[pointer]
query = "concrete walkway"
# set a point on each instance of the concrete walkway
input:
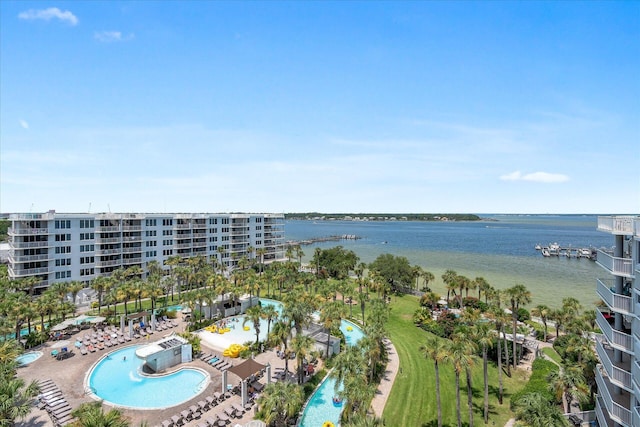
(384, 389)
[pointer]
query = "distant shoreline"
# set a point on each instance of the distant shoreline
(315, 216)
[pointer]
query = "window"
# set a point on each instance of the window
(225, 238)
(258, 227)
(166, 222)
(213, 230)
(87, 260)
(225, 229)
(151, 233)
(87, 248)
(151, 243)
(63, 261)
(225, 220)
(87, 236)
(258, 219)
(213, 239)
(63, 274)
(86, 223)
(150, 222)
(213, 221)
(167, 252)
(86, 271)
(63, 237)
(60, 224)
(63, 249)
(167, 232)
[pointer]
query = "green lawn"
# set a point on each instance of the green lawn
(553, 355)
(413, 400)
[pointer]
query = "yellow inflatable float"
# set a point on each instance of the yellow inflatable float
(246, 328)
(233, 351)
(349, 328)
(327, 424)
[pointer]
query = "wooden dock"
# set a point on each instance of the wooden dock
(322, 239)
(556, 250)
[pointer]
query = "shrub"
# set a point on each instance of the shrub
(538, 382)
(523, 315)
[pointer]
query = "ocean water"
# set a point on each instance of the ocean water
(500, 248)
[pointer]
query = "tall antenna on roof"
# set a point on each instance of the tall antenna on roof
(109, 207)
(89, 207)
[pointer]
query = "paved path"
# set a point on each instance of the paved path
(384, 389)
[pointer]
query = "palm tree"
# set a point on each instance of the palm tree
(269, 313)
(467, 347)
(484, 337)
(416, 272)
(92, 415)
(253, 315)
(99, 284)
(567, 383)
(301, 345)
(542, 311)
(427, 276)
(261, 253)
(16, 398)
(331, 314)
(280, 402)
(449, 279)
(436, 349)
(518, 296)
(483, 286)
(459, 357)
(280, 336)
(534, 410)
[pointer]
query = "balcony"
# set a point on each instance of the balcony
(131, 250)
(619, 373)
(617, 339)
(129, 261)
(602, 415)
(132, 239)
(616, 404)
(616, 302)
(636, 416)
(104, 252)
(131, 228)
(635, 374)
(28, 245)
(28, 258)
(183, 245)
(108, 229)
(199, 244)
(199, 235)
(621, 225)
(181, 226)
(108, 263)
(618, 266)
(107, 240)
(26, 231)
(24, 272)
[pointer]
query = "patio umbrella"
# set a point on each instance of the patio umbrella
(60, 344)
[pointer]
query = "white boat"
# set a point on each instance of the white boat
(545, 252)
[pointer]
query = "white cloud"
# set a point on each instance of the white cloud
(112, 36)
(544, 177)
(48, 14)
(24, 124)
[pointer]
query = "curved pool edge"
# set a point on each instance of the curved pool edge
(304, 407)
(88, 390)
(25, 364)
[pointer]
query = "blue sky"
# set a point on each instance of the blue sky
(504, 107)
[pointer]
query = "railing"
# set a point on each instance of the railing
(602, 417)
(635, 374)
(137, 260)
(132, 250)
(617, 224)
(616, 265)
(132, 239)
(182, 226)
(29, 271)
(617, 339)
(131, 228)
(615, 301)
(108, 263)
(102, 241)
(26, 231)
(617, 376)
(103, 252)
(29, 258)
(26, 245)
(636, 416)
(199, 235)
(616, 411)
(108, 229)
(199, 244)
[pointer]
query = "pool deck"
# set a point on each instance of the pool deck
(69, 375)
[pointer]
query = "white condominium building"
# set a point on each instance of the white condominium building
(618, 374)
(55, 247)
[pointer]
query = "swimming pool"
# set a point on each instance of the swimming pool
(237, 333)
(174, 308)
(116, 379)
(26, 358)
(320, 407)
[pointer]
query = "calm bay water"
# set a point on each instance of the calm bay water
(500, 249)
